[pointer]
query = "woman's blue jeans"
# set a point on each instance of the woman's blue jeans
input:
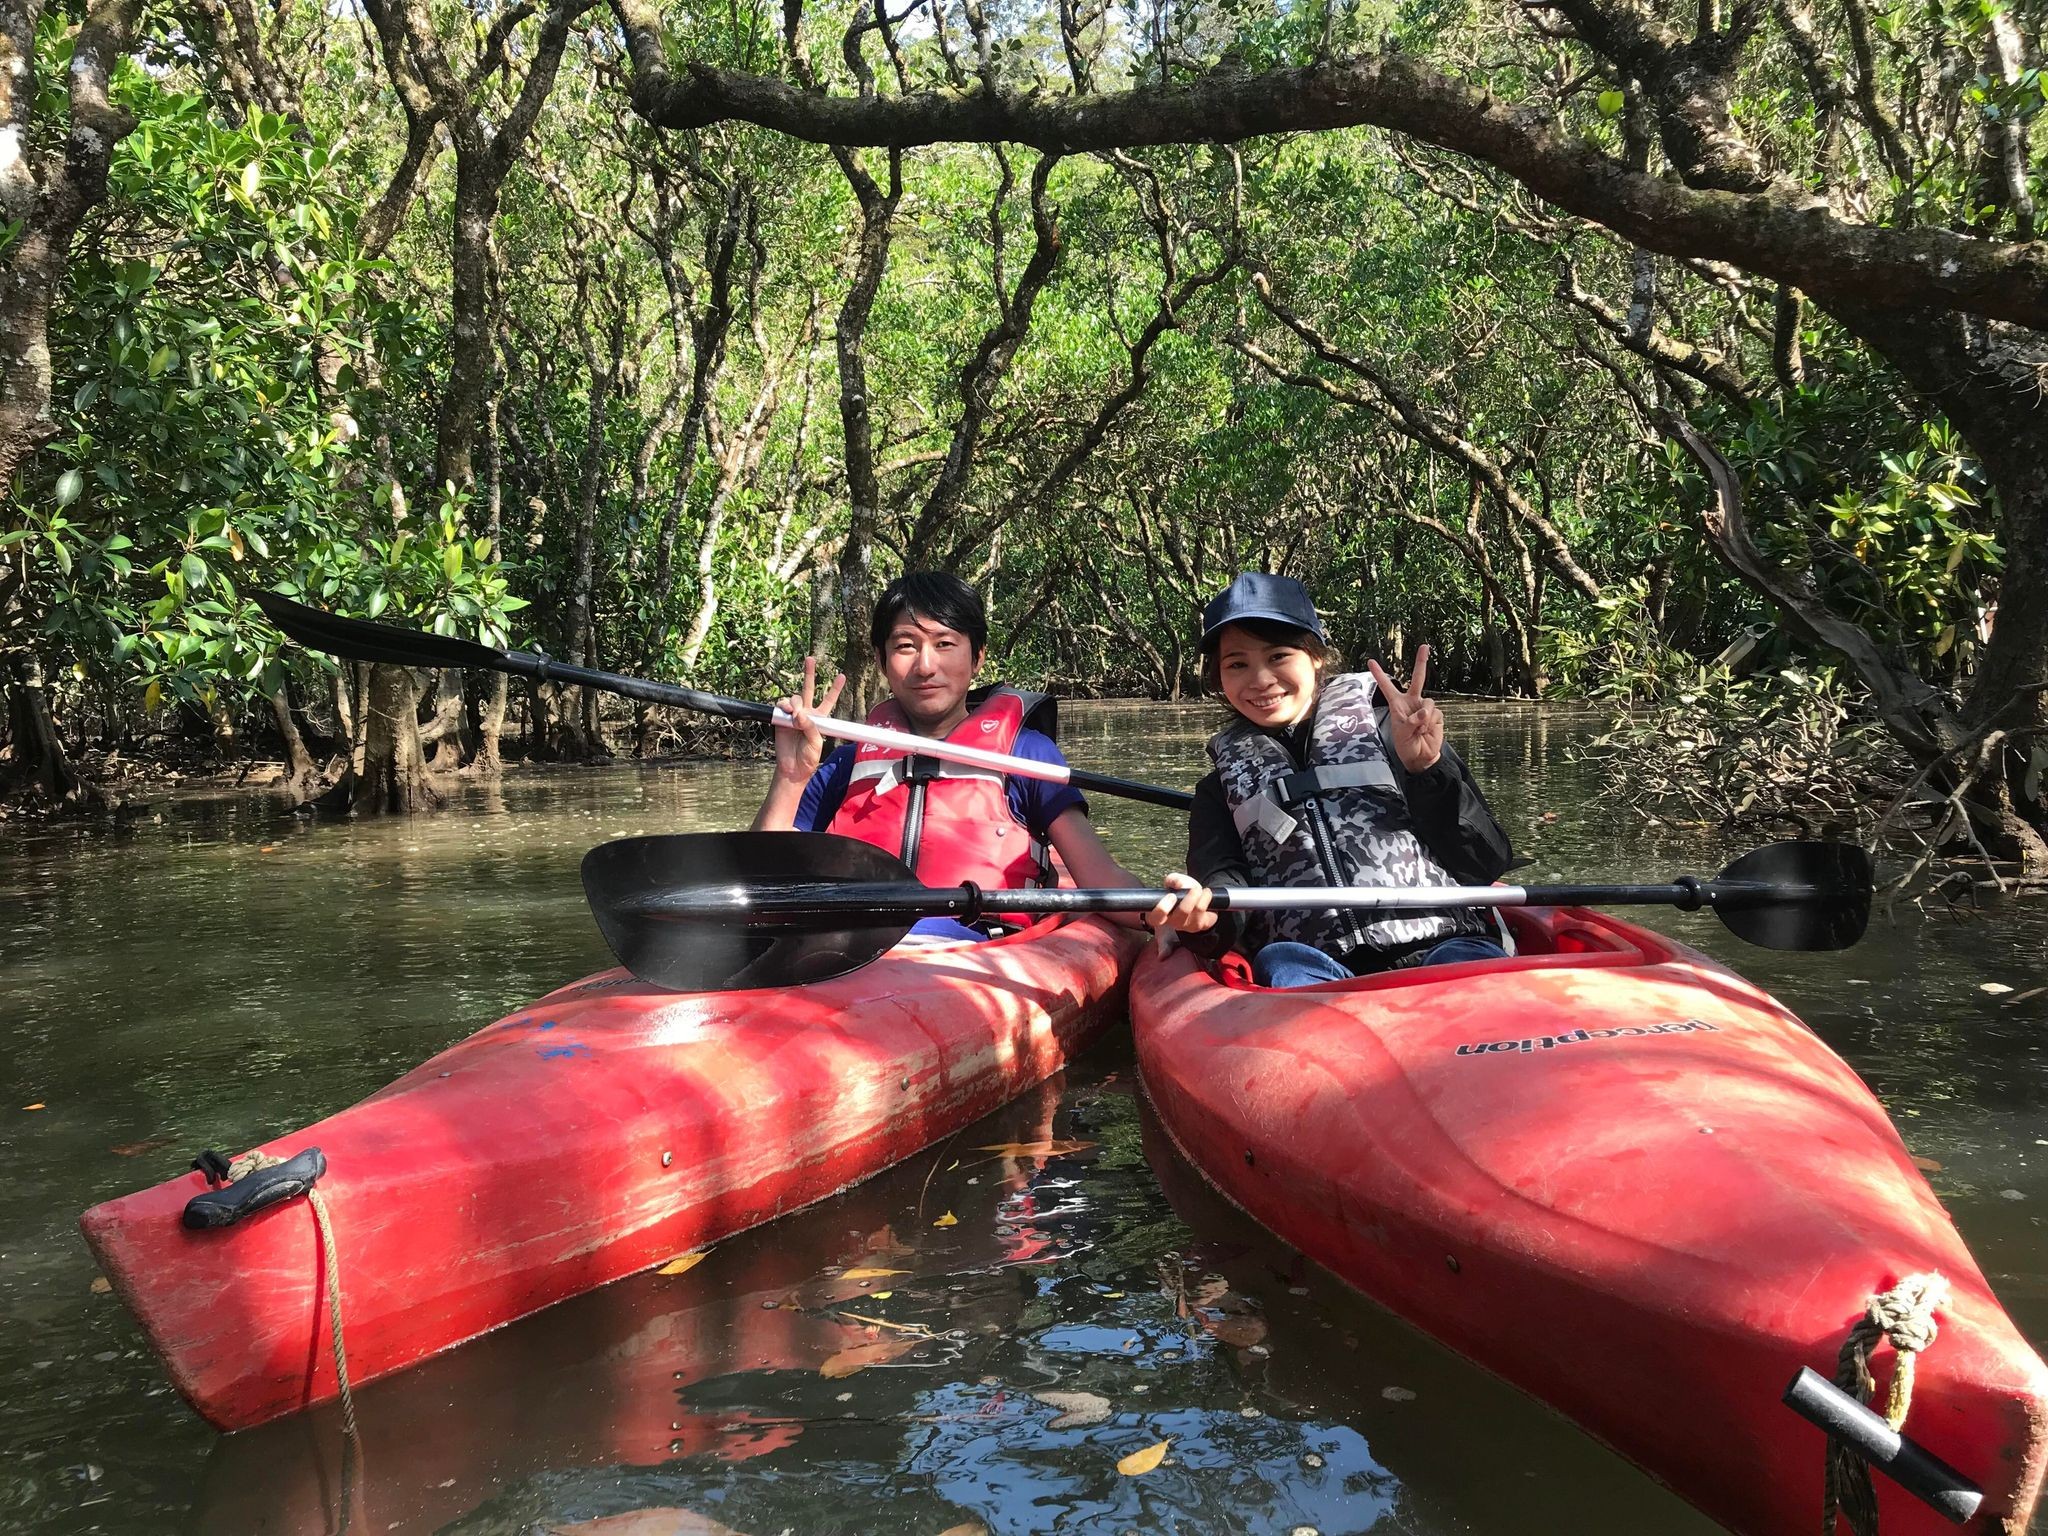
(1287, 964)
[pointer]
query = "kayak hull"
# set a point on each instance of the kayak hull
(1618, 1176)
(605, 1128)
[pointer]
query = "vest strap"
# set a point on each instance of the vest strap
(1260, 811)
(1292, 790)
(894, 771)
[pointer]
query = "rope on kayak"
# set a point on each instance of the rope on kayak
(248, 1163)
(1904, 1315)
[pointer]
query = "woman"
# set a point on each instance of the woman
(1326, 778)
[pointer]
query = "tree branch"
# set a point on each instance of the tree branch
(1780, 231)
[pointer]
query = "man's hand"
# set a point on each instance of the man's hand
(800, 746)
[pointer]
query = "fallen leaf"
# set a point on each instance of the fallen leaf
(1397, 1394)
(683, 1262)
(880, 1295)
(858, 1357)
(268, 848)
(947, 1220)
(646, 1522)
(1926, 1165)
(137, 1148)
(869, 1274)
(1239, 1332)
(35, 1106)
(1078, 1410)
(1038, 1148)
(884, 1244)
(1995, 988)
(1138, 1463)
(101, 1285)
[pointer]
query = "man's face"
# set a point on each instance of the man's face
(929, 670)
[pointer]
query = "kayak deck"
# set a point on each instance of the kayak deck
(606, 1127)
(1617, 1175)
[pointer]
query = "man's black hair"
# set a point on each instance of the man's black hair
(939, 596)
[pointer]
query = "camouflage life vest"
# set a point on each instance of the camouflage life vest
(1340, 821)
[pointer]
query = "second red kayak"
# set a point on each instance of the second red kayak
(599, 1131)
(1617, 1175)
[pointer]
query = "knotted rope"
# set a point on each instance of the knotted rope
(248, 1163)
(1905, 1316)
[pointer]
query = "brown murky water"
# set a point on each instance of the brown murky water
(231, 974)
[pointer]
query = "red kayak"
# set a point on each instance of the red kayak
(1615, 1174)
(610, 1380)
(604, 1129)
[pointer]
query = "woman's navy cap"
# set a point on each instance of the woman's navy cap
(1254, 595)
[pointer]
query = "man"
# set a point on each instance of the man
(949, 823)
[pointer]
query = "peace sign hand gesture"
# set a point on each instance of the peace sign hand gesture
(800, 745)
(1415, 723)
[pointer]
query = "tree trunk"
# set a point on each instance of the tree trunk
(450, 722)
(489, 762)
(300, 771)
(395, 776)
(44, 193)
(41, 770)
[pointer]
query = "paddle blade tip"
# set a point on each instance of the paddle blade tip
(640, 891)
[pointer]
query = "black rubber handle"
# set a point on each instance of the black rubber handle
(1919, 1471)
(255, 1192)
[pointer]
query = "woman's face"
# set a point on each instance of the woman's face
(1272, 685)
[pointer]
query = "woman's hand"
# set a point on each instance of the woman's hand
(1415, 723)
(800, 745)
(1186, 913)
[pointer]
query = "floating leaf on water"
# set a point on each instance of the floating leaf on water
(666, 1521)
(100, 1285)
(1239, 1332)
(1138, 1463)
(1397, 1394)
(1038, 1148)
(1995, 988)
(947, 1220)
(1078, 1410)
(858, 1357)
(1926, 1165)
(880, 1295)
(35, 1106)
(2012, 1194)
(870, 1274)
(682, 1262)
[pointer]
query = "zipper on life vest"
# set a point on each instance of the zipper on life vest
(1326, 853)
(1326, 856)
(917, 773)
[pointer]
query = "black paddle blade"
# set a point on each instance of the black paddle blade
(362, 640)
(1803, 895)
(676, 909)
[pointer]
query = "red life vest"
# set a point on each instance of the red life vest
(958, 818)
